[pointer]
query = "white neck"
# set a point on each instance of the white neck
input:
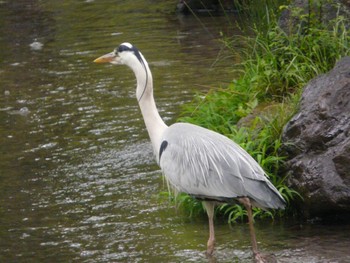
(144, 93)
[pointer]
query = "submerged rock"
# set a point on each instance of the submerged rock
(36, 45)
(318, 144)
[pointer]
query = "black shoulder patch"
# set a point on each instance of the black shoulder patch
(162, 148)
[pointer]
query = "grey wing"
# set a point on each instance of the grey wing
(206, 164)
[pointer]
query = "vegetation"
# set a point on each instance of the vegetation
(275, 66)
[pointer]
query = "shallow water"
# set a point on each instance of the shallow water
(78, 178)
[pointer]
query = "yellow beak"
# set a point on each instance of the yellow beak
(106, 58)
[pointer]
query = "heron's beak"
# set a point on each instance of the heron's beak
(110, 57)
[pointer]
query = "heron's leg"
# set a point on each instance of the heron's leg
(209, 206)
(246, 202)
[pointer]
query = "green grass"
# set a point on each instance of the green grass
(275, 66)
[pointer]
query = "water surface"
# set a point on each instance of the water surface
(78, 182)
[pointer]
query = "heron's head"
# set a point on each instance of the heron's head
(125, 54)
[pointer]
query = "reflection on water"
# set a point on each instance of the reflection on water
(78, 180)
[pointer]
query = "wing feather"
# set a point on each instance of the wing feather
(204, 163)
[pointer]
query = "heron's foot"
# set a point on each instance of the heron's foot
(209, 252)
(210, 247)
(264, 258)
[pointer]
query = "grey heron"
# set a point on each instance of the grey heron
(198, 161)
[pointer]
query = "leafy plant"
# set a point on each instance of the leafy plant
(189, 205)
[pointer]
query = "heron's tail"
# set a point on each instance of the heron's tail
(265, 194)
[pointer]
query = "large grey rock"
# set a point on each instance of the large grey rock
(318, 144)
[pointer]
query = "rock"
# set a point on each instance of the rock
(36, 45)
(263, 111)
(317, 143)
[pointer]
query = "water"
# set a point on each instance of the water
(78, 182)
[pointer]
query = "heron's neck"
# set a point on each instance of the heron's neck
(144, 93)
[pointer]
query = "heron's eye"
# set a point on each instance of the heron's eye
(120, 49)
